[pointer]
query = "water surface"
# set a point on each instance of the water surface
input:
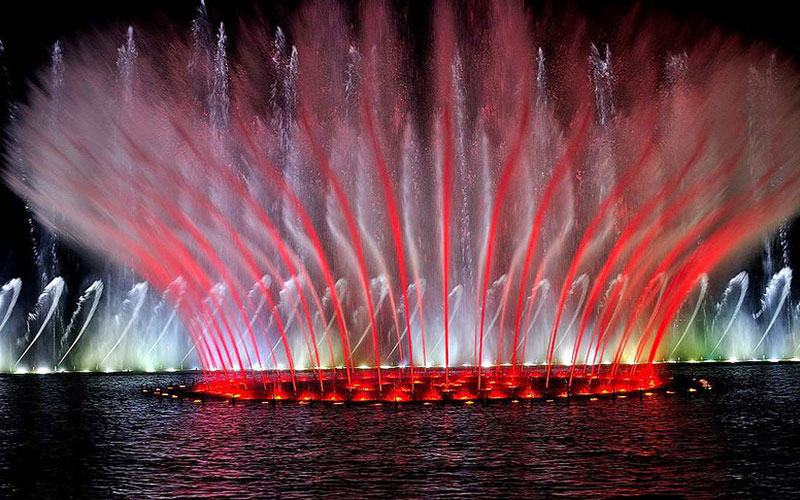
(97, 436)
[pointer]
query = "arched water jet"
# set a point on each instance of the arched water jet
(544, 284)
(180, 291)
(290, 288)
(784, 275)
(456, 298)
(700, 296)
(372, 245)
(499, 285)
(136, 298)
(644, 298)
(619, 286)
(255, 291)
(52, 291)
(8, 299)
(583, 282)
(341, 291)
(382, 294)
(410, 236)
(632, 171)
(743, 281)
(414, 313)
(94, 290)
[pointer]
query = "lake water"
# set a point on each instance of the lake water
(97, 436)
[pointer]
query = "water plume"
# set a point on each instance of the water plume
(325, 206)
(94, 292)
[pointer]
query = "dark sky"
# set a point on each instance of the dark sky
(29, 28)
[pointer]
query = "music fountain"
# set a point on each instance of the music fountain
(342, 211)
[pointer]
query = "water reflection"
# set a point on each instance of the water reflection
(85, 435)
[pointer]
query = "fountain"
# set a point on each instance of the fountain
(535, 215)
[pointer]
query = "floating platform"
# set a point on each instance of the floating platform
(398, 385)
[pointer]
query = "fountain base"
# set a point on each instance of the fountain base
(398, 385)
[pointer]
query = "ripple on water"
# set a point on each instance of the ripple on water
(89, 435)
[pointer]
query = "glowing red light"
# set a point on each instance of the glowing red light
(427, 386)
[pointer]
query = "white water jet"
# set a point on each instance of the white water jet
(411, 318)
(498, 285)
(286, 295)
(622, 282)
(742, 280)
(126, 64)
(258, 290)
(383, 292)
(456, 298)
(341, 290)
(136, 296)
(8, 299)
(700, 296)
(583, 282)
(785, 276)
(95, 290)
(215, 299)
(53, 290)
(544, 284)
(179, 285)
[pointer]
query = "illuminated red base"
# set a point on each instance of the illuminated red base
(432, 384)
